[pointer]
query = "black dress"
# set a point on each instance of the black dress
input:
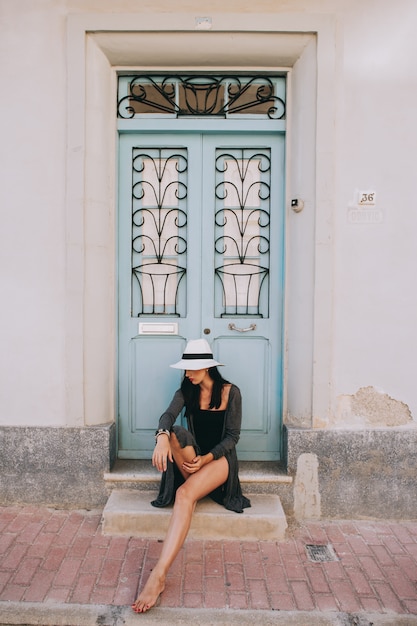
(208, 428)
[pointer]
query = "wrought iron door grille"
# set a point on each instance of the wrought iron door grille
(242, 232)
(201, 95)
(159, 226)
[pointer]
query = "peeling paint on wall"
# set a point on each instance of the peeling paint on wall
(307, 502)
(369, 407)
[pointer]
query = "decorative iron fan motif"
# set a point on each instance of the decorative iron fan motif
(203, 95)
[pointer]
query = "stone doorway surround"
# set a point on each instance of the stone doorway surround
(99, 46)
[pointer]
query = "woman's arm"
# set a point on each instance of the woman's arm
(162, 451)
(168, 418)
(232, 426)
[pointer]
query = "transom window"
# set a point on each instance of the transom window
(259, 96)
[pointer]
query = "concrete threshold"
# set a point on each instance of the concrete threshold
(129, 512)
(51, 614)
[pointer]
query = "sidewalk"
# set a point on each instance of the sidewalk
(56, 565)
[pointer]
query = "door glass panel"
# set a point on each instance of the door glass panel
(159, 225)
(242, 224)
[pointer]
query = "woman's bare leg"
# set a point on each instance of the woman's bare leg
(181, 455)
(197, 486)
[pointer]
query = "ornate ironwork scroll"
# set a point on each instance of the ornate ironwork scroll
(203, 95)
(242, 234)
(159, 223)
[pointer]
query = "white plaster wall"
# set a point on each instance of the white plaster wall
(375, 311)
(369, 337)
(32, 193)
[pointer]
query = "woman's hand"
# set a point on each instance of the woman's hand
(197, 463)
(161, 453)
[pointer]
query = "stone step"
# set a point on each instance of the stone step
(255, 476)
(129, 512)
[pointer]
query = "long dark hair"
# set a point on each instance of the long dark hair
(192, 392)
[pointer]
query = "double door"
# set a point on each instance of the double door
(201, 220)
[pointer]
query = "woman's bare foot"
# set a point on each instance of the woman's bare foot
(149, 595)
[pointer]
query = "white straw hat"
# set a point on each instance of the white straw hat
(197, 356)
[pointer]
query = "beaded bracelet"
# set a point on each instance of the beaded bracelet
(162, 431)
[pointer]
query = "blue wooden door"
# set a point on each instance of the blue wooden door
(201, 222)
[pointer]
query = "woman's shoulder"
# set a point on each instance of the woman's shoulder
(230, 394)
(233, 390)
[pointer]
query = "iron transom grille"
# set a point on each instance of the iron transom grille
(201, 95)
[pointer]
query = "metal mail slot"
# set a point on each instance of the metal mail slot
(164, 328)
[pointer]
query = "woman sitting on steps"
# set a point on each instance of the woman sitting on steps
(198, 461)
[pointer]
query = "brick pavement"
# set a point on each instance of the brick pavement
(54, 556)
